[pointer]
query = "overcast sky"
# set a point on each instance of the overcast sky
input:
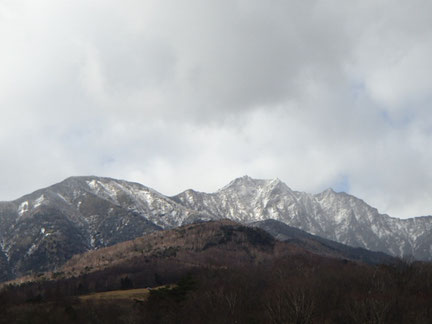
(191, 94)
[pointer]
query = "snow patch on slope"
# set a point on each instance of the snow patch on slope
(23, 208)
(38, 201)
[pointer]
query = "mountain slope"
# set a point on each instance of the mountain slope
(44, 229)
(213, 244)
(320, 245)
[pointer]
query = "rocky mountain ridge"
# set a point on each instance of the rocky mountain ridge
(42, 230)
(336, 216)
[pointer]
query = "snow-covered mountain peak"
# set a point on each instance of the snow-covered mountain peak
(247, 183)
(244, 181)
(276, 183)
(329, 191)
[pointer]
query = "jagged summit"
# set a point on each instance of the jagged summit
(247, 183)
(329, 191)
(244, 181)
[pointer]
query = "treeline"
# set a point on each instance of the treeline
(296, 289)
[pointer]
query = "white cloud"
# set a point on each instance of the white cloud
(192, 94)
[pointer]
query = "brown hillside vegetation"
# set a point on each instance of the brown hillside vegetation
(239, 243)
(209, 244)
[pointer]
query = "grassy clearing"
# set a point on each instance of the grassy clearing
(130, 294)
(140, 294)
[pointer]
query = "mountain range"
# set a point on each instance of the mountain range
(43, 230)
(335, 216)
